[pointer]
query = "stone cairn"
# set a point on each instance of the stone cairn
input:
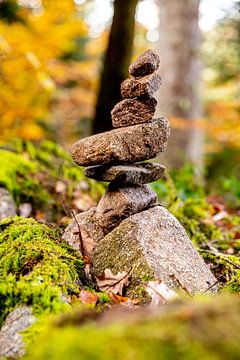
(128, 228)
(137, 137)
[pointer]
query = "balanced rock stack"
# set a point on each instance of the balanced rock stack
(137, 137)
(128, 230)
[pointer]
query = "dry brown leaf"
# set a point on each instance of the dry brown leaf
(88, 297)
(113, 283)
(117, 299)
(159, 292)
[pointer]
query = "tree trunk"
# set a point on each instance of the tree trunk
(179, 96)
(116, 62)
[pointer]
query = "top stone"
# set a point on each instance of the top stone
(145, 64)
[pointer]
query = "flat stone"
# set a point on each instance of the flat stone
(7, 205)
(11, 341)
(145, 64)
(123, 145)
(140, 86)
(153, 244)
(133, 111)
(118, 203)
(142, 173)
(90, 231)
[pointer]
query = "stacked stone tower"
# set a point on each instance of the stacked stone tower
(137, 137)
(128, 229)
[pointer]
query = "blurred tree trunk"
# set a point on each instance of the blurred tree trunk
(116, 62)
(179, 96)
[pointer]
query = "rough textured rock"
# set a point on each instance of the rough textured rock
(133, 111)
(153, 244)
(7, 204)
(91, 231)
(11, 343)
(142, 173)
(118, 203)
(145, 64)
(141, 86)
(123, 145)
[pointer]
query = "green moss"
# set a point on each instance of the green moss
(31, 173)
(103, 298)
(207, 328)
(17, 175)
(36, 267)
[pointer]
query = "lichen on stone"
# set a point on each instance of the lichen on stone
(37, 268)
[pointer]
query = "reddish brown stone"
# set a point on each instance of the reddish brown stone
(133, 111)
(140, 86)
(118, 203)
(123, 145)
(145, 64)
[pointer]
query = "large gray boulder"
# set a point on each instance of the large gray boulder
(153, 245)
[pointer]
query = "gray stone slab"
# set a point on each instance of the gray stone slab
(7, 205)
(153, 244)
(145, 64)
(142, 173)
(123, 145)
(133, 111)
(141, 86)
(11, 341)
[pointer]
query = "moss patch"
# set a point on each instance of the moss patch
(205, 329)
(31, 173)
(36, 267)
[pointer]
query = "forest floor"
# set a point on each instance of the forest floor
(39, 270)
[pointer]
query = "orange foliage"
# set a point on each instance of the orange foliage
(33, 78)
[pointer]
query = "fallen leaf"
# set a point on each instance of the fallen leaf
(159, 292)
(220, 215)
(88, 243)
(60, 187)
(117, 299)
(87, 297)
(113, 283)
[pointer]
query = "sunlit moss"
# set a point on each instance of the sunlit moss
(36, 267)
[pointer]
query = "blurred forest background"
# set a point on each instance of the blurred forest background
(61, 64)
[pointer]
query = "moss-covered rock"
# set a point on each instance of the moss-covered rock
(205, 329)
(37, 268)
(153, 243)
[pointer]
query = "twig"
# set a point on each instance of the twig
(182, 286)
(79, 233)
(211, 286)
(64, 207)
(221, 256)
